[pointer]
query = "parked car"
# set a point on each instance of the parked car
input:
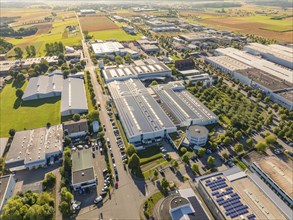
(209, 151)
(98, 199)
(116, 185)
(75, 206)
(277, 151)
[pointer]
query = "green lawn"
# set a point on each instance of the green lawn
(151, 202)
(26, 115)
(119, 35)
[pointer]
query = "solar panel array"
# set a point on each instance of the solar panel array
(226, 198)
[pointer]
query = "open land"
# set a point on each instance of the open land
(97, 23)
(22, 115)
(118, 34)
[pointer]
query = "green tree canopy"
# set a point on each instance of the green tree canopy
(76, 117)
(130, 150)
(93, 116)
(211, 161)
(195, 168)
(201, 152)
(134, 162)
(261, 146)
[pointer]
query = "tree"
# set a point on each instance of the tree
(211, 161)
(185, 159)
(130, 150)
(19, 93)
(67, 141)
(183, 150)
(76, 117)
(44, 66)
(238, 148)
(33, 50)
(164, 184)
(270, 139)
(127, 58)
(18, 52)
(119, 60)
(156, 173)
(238, 135)
(154, 83)
(11, 132)
(28, 51)
(134, 162)
(93, 116)
(201, 152)
(175, 164)
(65, 209)
(20, 77)
(261, 146)
(195, 168)
(227, 140)
(225, 155)
(249, 142)
(49, 181)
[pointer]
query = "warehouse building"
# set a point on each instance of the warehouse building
(87, 11)
(158, 23)
(150, 48)
(182, 106)
(141, 69)
(7, 186)
(83, 173)
(166, 29)
(73, 98)
(75, 129)
(35, 148)
(43, 86)
(197, 136)
(275, 81)
(143, 120)
(234, 194)
(272, 53)
(107, 48)
(276, 173)
(190, 37)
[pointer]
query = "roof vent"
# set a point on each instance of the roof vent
(82, 173)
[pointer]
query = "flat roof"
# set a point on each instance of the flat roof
(275, 51)
(182, 104)
(197, 130)
(258, 63)
(277, 170)
(228, 63)
(137, 109)
(196, 36)
(73, 95)
(191, 71)
(106, 47)
(29, 146)
(3, 143)
(236, 195)
(82, 166)
(75, 126)
(4, 180)
(287, 94)
(44, 84)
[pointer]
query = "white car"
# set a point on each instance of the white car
(98, 199)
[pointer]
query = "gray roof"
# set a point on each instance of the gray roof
(44, 84)
(197, 130)
(75, 126)
(138, 110)
(33, 145)
(82, 166)
(3, 143)
(73, 95)
(4, 181)
(182, 104)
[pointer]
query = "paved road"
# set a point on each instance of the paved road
(126, 200)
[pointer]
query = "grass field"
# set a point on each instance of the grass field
(26, 115)
(49, 33)
(96, 23)
(119, 35)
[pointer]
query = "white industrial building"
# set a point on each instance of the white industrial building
(274, 53)
(87, 11)
(182, 106)
(143, 120)
(141, 69)
(150, 48)
(73, 98)
(34, 148)
(43, 86)
(7, 186)
(274, 80)
(197, 135)
(112, 48)
(166, 29)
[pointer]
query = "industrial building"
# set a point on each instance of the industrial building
(197, 136)
(274, 80)
(73, 98)
(190, 37)
(7, 186)
(75, 129)
(166, 29)
(143, 120)
(276, 173)
(150, 48)
(43, 86)
(235, 194)
(141, 69)
(7, 65)
(35, 148)
(158, 23)
(183, 108)
(83, 173)
(112, 48)
(128, 29)
(87, 11)
(277, 54)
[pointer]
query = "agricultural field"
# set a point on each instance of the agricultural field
(118, 34)
(48, 32)
(96, 23)
(22, 115)
(247, 20)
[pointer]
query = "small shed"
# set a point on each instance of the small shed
(96, 126)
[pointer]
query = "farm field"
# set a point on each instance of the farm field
(96, 23)
(49, 33)
(119, 35)
(30, 114)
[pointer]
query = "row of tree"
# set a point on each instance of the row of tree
(21, 32)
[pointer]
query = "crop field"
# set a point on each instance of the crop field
(118, 34)
(247, 19)
(26, 115)
(97, 23)
(49, 33)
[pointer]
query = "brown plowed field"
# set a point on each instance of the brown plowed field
(96, 23)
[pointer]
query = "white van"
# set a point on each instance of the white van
(98, 199)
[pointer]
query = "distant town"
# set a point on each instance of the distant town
(113, 110)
